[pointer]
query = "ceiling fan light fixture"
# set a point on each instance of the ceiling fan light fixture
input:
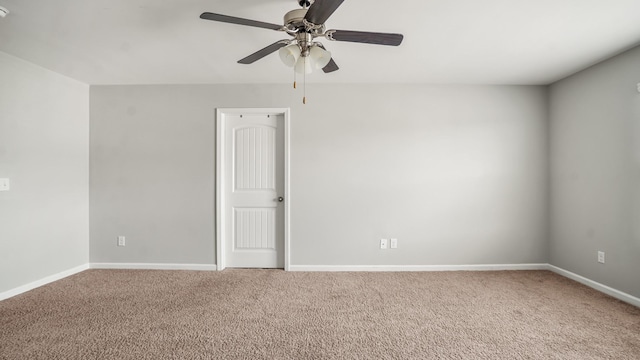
(289, 54)
(316, 58)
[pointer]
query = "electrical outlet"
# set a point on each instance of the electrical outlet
(394, 243)
(601, 257)
(4, 184)
(383, 243)
(121, 241)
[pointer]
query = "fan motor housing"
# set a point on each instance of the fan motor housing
(294, 17)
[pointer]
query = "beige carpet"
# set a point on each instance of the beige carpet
(270, 314)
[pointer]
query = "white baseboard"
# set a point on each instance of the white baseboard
(345, 268)
(482, 267)
(151, 266)
(61, 275)
(596, 285)
(44, 281)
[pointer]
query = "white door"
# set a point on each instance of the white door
(254, 191)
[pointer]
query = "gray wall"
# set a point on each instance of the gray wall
(595, 172)
(458, 174)
(44, 150)
(152, 175)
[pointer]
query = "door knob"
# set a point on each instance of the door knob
(280, 199)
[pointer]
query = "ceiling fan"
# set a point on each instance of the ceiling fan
(304, 26)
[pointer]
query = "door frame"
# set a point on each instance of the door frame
(221, 185)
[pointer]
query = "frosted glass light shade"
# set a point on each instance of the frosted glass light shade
(304, 65)
(319, 57)
(289, 54)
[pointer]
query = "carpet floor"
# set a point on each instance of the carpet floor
(272, 314)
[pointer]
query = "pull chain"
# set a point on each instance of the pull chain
(304, 83)
(294, 77)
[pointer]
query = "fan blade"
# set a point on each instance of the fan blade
(320, 10)
(263, 52)
(365, 37)
(331, 66)
(239, 21)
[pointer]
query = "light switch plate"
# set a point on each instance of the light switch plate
(4, 184)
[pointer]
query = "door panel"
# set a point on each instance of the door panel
(254, 158)
(255, 229)
(255, 168)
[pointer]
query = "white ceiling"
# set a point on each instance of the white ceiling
(446, 41)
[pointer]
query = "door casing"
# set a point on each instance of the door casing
(222, 115)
